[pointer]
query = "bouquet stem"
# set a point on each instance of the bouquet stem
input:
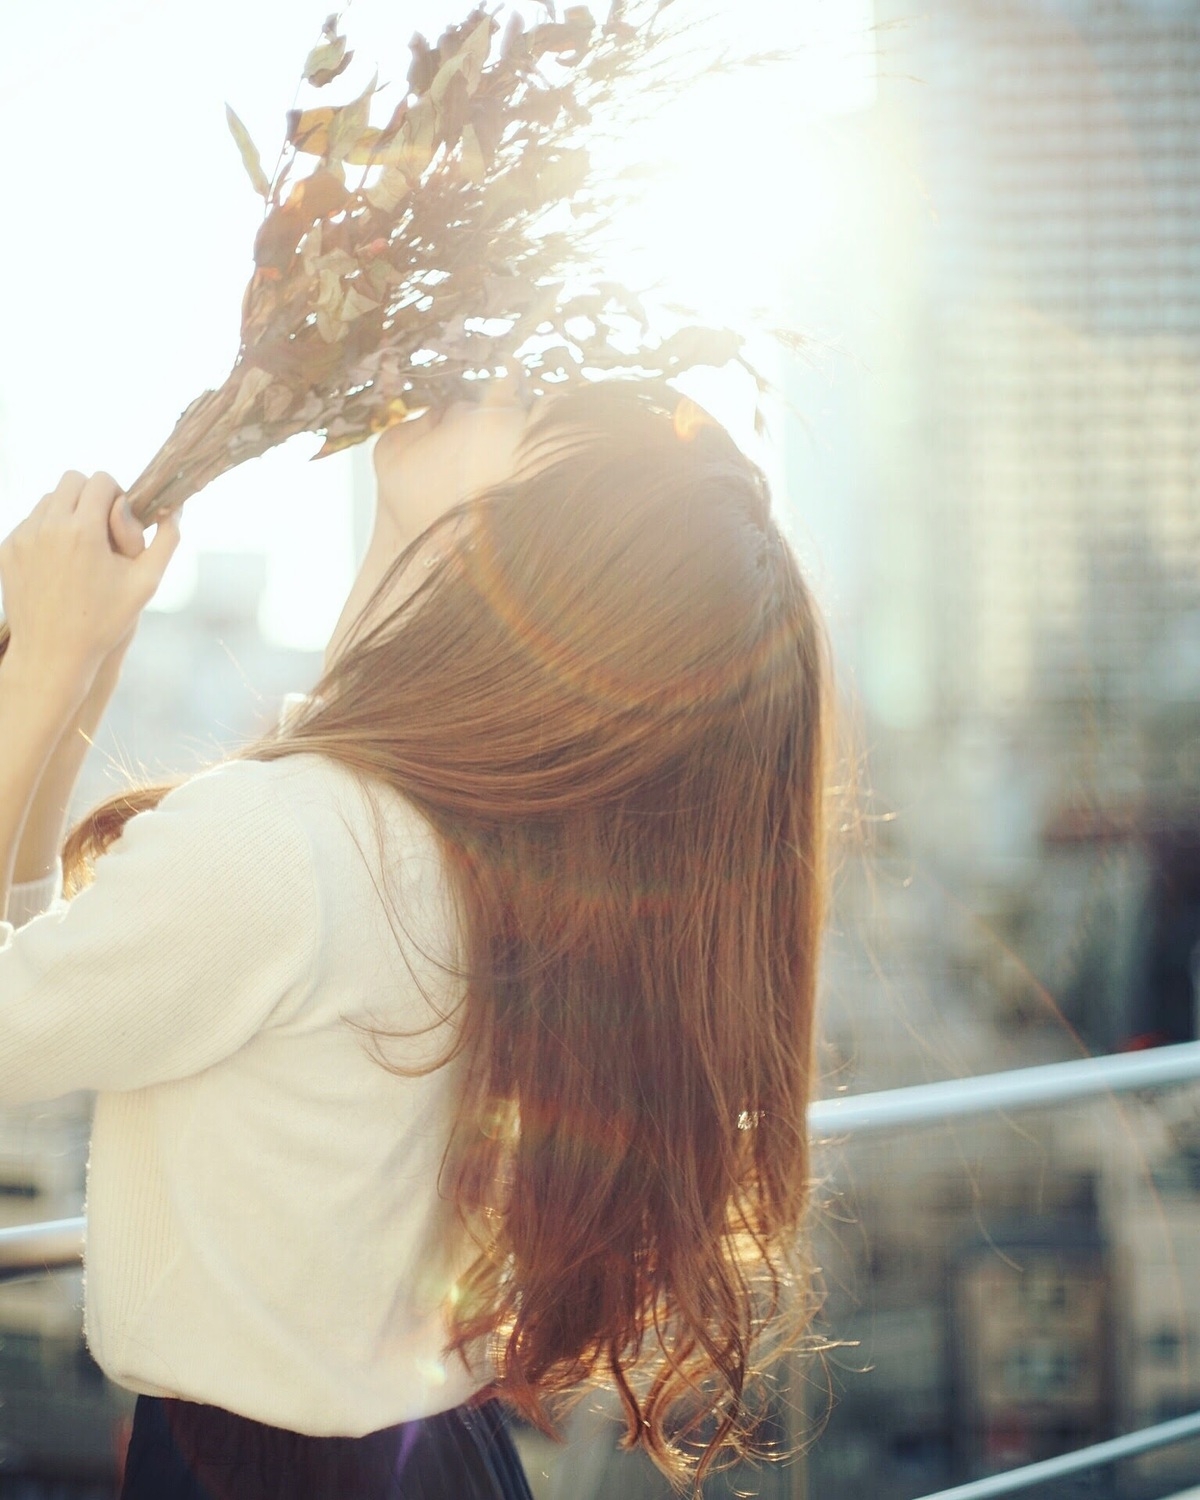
(196, 452)
(210, 437)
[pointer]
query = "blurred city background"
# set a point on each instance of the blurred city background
(989, 457)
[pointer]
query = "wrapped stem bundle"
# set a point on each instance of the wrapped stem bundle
(395, 262)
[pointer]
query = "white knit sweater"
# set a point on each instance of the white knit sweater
(264, 1228)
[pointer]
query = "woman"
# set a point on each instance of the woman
(452, 1041)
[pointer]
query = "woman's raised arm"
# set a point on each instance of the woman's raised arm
(71, 599)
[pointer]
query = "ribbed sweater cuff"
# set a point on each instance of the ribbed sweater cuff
(32, 897)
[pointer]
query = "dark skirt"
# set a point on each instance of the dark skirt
(181, 1451)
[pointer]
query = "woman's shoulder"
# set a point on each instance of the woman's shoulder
(269, 788)
(337, 809)
(287, 778)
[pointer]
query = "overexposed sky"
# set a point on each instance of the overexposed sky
(125, 242)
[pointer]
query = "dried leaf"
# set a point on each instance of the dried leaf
(572, 34)
(278, 235)
(320, 196)
(330, 326)
(326, 60)
(451, 39)
(338, 133)
(424, 65)
(340, 262)
(488, 121)
(381, 277)
(467, 63)
(350, 124)
(451, 110)
(327, 75)
(333, 237)
(249, 151)
(385, 194)
(387, 416)
(542, 106)
(364, 151)
(356, 304)
(248, 436)
(251, 386)
(329, 447)
(514, 48)
(420, 137)
(336, 444)
(310, 408)
(311, 252)
(308, 129)
(474, 163)
(329, 291)
(411, 149)
(259, 304)
(278, 400)
(455, 339)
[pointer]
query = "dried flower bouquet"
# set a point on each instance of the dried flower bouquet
(397, 261)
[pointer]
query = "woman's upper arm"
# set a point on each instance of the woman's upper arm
(201, 921)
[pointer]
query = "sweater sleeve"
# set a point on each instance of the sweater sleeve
(32, 897)
(200, 924)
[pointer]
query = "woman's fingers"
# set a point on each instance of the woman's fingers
(153, 562)
(93, 510)
(64, 497)
(96, 495)
(98, 501)
(124, 529)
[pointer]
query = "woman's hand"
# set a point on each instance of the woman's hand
(75, 576)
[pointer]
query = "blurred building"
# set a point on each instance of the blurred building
(1153, 1212)
(1032, 1335)
(1005, 492)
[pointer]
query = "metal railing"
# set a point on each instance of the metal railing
(1082, 1461)
(1023, 1088)
(33, 1249)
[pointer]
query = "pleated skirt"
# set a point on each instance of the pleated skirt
(182, 1451)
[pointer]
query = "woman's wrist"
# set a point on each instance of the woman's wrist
(36, 707)
(49, 692)
(61, 750)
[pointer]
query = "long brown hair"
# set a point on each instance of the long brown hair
(607, 696)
